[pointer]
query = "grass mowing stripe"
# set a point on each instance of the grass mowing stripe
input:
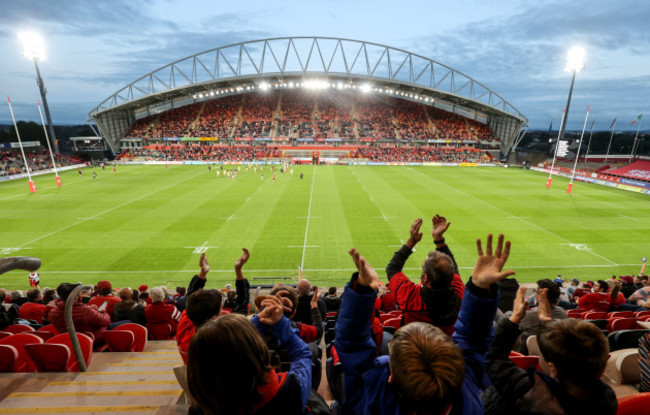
(304, 242)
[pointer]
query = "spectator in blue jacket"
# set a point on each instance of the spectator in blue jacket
(425, 371)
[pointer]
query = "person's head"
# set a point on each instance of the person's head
(181, 291)
(65, 289)
(291, 294)
(637, 279)
(144, 296)
(601, 286)
(104, 288)
(231, 295)
(227, 385)
(332, 291)
(575, 282)
(126, 295)
(437, 270)
(202, 306)
(574, 351)
(143, 288)
(34, 295)
(644, 280)
(157, 295)
(627, 279)
(426, 366)
(303, 288)
(135, 295)
(553, 293)
(228, 287)
(15, 295)
(49, 295)
(3, 294)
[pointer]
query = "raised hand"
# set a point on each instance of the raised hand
(204, 265)
(314, 298)
(440, 226)
(240, 263)
(519, 307)
(543, 306)
(416, 235)
(272, 310)
(367, 274)
(488, 268)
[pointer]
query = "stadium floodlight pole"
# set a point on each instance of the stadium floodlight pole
(575, 163)
(640, 119)
(591, 131)
(47, 139)
(610, 138)
(34, 48)
(32, 187)
(575, 63)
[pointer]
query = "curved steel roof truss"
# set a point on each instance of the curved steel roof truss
(292, 56)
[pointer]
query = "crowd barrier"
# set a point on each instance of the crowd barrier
(39, 172)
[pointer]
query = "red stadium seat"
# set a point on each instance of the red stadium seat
(384, 317)
(525, 362)
(594, 315)
(85, 343)
(641, 314)
(140, 335)
(331, 314)
(45, 335)
(49, 357)
(4, 334)
(119, 340)
(50, 328)
(634, 404)
(576, 313)
(393, 322)
(620, 314)
(8, 358)
(18, 340)
(159, 331)
(19, 328)
(621, 324)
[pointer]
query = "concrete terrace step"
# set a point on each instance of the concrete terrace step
(119, 383)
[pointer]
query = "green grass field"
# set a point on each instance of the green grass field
(144, 224)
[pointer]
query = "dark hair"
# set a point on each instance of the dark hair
(427, 367)
(144, 295)
(48, 296)
(65, 289)
(181, 290)
(33, 294)
(227, 361)
(577, 348)
(202, 305)
(440, 268)
(603, 285)
(292, 296)
(331, 291)
(553, 293)
(135, 295)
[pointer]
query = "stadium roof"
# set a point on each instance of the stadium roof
(242, 67)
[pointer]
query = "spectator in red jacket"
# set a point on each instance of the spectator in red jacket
(84, 317)
(598, 300)
(437, 298)
(160, 313)
(33, 309)
(105, 295)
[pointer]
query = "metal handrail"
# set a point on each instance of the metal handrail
(70, 326)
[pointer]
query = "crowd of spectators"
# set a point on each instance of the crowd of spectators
(451, 337)
(423, 154)
(241, 152)
(11, 162)
(296, 114)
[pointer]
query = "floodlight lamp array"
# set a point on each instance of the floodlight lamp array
(33, 46)
(313, 85)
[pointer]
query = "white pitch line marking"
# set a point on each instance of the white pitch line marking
(107, 211)
(7, 251)
(51, 194)
(510, 214)
(229, 218)
(627, 217)
(249, 198)
(518, 217)
(304, 242)
(303, 246)
(89, 218)
(384, 217)
(201, 249)
(316, 270)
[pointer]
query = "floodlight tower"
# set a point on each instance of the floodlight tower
(575, 63)
(34, 48)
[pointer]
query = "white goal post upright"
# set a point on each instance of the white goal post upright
(47, 140)
(575, 163)
(32, 187)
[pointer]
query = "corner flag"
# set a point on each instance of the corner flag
(636, 119)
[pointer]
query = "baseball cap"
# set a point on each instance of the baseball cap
(102, 285)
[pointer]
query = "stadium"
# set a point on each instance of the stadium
(298, 149)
